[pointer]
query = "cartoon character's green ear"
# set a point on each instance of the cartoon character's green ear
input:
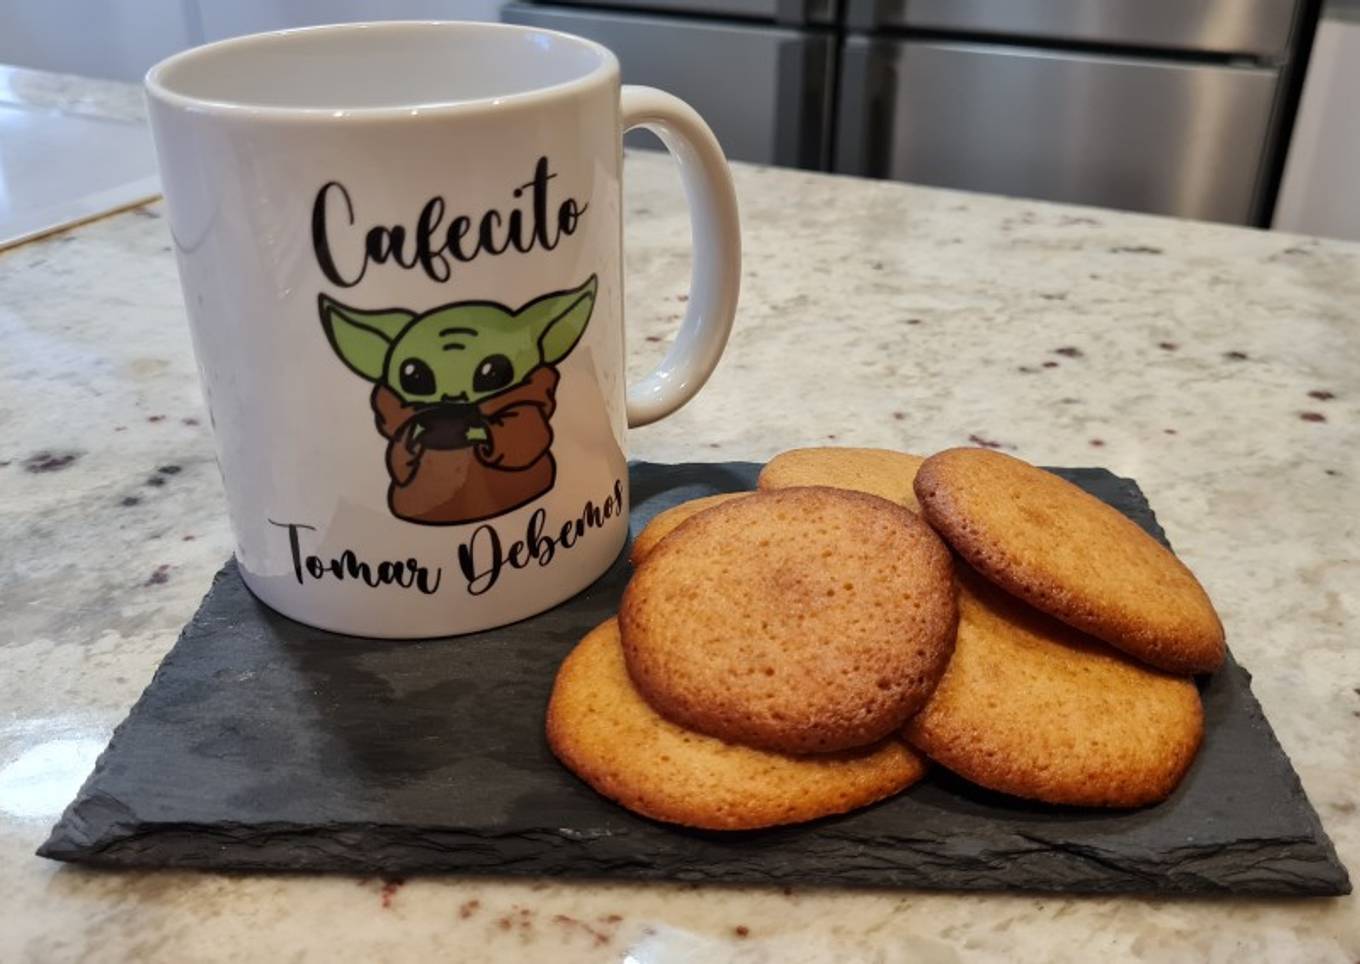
(361, 338)
(559, 319)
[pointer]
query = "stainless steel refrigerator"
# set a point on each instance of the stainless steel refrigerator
(1168, 106)
(761, 72)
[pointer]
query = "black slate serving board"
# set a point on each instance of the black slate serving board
(264, 744)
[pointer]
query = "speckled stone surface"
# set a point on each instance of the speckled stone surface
(71, 94)
(1218, 366)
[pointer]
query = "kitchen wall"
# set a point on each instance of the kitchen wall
(121, 39)
(1320, 193)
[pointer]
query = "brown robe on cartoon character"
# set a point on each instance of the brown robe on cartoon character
(444, 486)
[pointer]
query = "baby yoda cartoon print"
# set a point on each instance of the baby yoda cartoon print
(464, 395)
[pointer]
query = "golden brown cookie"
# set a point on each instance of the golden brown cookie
(664, 523)
(1031, 707)
(606, 734)
(802, 620)
(1072, 556)
(880, 472)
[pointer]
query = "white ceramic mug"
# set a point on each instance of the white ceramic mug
(400, 246)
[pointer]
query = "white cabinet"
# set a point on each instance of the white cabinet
(116, 39)
(231, 18)
(121, 39)
(1320, 193)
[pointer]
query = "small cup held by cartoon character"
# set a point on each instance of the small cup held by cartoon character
(447, 425)
(401, 252)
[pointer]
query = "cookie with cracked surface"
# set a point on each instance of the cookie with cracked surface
(1031, 707)
(800, 620)
(606, 734)
(881, 472)
(667, 521)
(1070, 555)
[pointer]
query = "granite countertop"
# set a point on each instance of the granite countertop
(1219, 366)
(53, 124)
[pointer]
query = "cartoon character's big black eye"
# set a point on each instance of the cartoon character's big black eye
(416, 377)
(494, 372)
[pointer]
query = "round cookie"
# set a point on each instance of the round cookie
(1072, 556)
(606, 734)
(664, 523)
(881, 472)
(1031, 707)
(801, 621)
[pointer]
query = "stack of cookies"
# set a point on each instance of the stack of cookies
(803, 649)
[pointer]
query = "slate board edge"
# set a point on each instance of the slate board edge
(98, 831)
(327, 850)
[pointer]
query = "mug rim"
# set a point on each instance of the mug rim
(158, 89)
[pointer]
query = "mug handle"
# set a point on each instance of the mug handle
(716, 275)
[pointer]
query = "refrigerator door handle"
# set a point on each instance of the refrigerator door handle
(866, 106)
(803, 104)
